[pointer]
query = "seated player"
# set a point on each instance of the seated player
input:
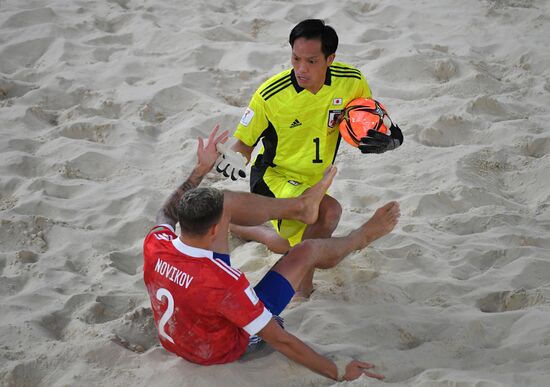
(205, 310)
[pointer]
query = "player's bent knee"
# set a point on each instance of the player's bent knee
(303, 254)
(330, 213)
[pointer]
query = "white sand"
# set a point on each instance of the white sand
(100, 106)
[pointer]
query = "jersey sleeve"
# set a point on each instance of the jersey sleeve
(364, 88)
(243, 308)
(253, 122)
(160, 232)
(166, 231)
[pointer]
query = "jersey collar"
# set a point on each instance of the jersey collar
(190, 250)
(298, 88)
(199, 253)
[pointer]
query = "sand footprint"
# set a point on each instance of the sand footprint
(30, 17)
(476, 263)
(65, 190)
(489, 106)
(536, 148)
(12, 284)
(167, 102)
(112, 39)
(25, 373)
(23, 165)
(13, 89)
(510, 300)
(25, 54)
(114, 24)
(25, 145)
(222, 33)
(126, 261)
(511, 3)
(87, 131)
(375, 34)
(507, 172)
(37, 117)
(109, 307)
(137, 331)
(469, 224)
(419, 68)
(206, 56)
(90, 166)
(27, 234)
(254, 27)
(450, 130)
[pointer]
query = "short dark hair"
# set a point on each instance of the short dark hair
(199, 209)
(316, 29)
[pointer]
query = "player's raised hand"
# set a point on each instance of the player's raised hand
(230, 163)
(208, 154)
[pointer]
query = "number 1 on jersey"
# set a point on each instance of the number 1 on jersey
(317, 160)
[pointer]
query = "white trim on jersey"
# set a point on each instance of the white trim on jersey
(228, 269)
(237, 272)
(194, 252)
(258, 323)
(168, 226)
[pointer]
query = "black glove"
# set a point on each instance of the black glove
(377, 142)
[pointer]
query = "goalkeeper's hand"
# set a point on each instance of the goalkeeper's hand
(230, 163)
(376, 142)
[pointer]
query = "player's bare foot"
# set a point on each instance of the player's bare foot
(312, 197)
(381, 223)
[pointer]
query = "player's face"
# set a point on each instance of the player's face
(309, 63)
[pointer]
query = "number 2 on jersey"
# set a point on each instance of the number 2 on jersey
(167, 313)
(317, 160)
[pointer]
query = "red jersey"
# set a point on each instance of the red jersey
(204, 309)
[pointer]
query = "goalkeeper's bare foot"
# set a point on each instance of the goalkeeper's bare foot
(311, 198)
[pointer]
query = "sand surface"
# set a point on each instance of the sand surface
(100, 106)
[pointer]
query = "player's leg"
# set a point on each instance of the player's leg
(321, 254)
(278, 241)
(249, 209)
(328, 252)
(330, 212)
(262, 234)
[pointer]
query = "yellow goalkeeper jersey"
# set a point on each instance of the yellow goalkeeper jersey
(297, 128)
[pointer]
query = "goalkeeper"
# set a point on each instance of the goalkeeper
(295, 114)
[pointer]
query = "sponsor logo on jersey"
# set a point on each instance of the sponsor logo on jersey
(294, 182)
(337, 101)
(295, 123)
(247, 116)
(333, 116)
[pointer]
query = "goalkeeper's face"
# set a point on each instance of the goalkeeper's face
(309, 63)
